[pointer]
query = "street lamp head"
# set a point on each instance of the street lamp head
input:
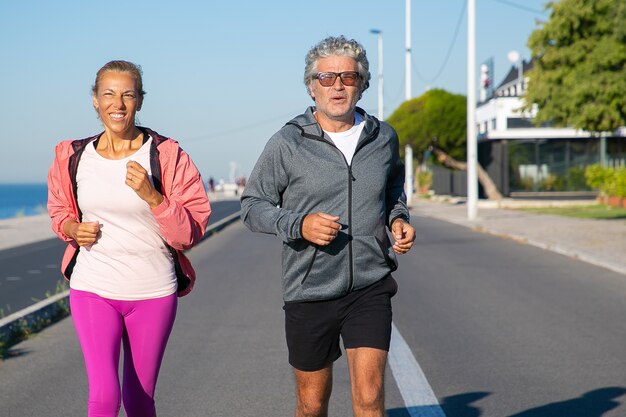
(376, 31)
(513, 56)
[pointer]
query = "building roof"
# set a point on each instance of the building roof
(513, 74)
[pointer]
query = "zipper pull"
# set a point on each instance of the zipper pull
(351, 176)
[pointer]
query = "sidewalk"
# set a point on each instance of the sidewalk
(598, 242)
(24, 230)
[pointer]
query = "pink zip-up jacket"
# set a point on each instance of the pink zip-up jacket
(182, 216)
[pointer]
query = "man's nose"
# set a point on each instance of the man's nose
(338, 85)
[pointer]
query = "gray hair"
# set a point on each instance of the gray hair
(337, 46)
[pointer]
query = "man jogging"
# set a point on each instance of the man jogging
(330, 184)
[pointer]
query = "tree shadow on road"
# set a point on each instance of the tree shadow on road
(452, 406)
(461, 405)
(592, 404)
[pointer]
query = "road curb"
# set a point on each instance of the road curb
(19, 325)
(33, 319)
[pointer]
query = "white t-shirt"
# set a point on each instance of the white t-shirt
(346, 141)
(130, 260)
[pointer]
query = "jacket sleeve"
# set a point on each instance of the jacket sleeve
(395, 198)
(261, 201)
(184, 213)
(60, 204)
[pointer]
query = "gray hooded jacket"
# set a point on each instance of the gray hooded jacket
(300, 172)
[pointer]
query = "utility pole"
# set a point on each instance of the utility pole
(408, 151)
(408, 179)
(379, 34)
(472, 162)
(407, 55)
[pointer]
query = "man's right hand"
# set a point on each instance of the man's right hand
(85, 234)
(320, 228)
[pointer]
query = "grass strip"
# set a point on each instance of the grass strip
(595, 211)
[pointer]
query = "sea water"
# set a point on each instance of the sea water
(22, 200)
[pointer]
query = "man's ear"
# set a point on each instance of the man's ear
(311, 91)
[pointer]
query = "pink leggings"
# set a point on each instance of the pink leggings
(144, 327)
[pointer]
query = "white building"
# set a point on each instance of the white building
(522, 158)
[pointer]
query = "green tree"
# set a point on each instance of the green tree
(437, 121)
(579, 65)
(436, 115)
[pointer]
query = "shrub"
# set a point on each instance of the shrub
(425, 179)
(620, 182)
(576, 179)
(611, 182)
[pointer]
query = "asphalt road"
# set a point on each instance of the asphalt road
(30, 273)
(500, 329)
(506, 329)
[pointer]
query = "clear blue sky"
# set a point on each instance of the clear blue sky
(221, 77)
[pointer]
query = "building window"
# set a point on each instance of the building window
(550, 165)
(518, 123)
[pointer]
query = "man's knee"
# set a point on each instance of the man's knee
(313, 400)
(313, 392)
(369, 396)
(311, 408)
(312, 403)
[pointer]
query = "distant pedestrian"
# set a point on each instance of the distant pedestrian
(128, 201)
(211, 184)
(329, 184)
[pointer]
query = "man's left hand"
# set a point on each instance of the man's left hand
(403, 235)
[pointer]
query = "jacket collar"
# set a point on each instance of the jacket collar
(310, 128)
(79, 144)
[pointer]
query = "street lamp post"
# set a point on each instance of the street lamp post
(472, 160)
(379, 33)
(407, 56)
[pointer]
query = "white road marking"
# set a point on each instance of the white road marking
(13, 278)
(419, 398)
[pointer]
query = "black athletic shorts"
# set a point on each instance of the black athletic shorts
(361, 318)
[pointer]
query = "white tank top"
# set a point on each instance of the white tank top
(130, 260)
